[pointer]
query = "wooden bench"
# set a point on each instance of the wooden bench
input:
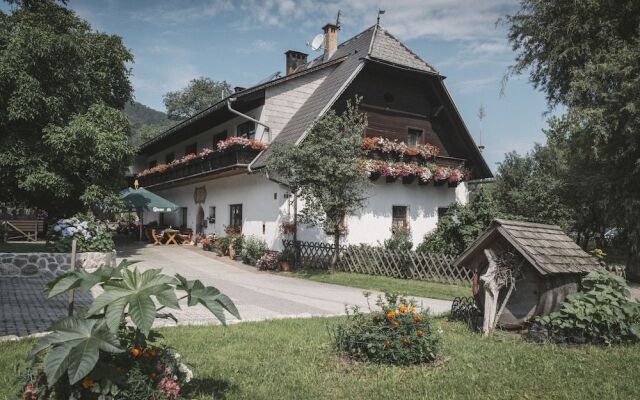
(15, 229)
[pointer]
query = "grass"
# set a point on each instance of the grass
(387, 284)
(24, 247)
(293, 359)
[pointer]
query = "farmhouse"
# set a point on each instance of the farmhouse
(417, 148)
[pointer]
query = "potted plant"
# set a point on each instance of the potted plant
(286, 257)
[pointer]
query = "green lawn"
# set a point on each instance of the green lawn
(386, 284)
(37, 247)
(293, 359)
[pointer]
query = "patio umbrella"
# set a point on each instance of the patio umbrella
(142, 200)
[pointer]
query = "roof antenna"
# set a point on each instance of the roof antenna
(338, 20)
(481, 114)
(380, 12)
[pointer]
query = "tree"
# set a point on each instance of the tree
(198, 95)
(324, 170)
(584, 55)
(462, 224)
(57, 77)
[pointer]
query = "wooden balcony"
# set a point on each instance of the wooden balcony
(233, 158)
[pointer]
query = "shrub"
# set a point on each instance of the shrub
(400, 239)
(97, 355)
(395, 334)
(91, 234)
(600, 312)
(252, 249)
(268, 262)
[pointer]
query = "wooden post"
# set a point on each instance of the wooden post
(295, 230)
(72, 268)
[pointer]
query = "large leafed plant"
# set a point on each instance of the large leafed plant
(131, 299)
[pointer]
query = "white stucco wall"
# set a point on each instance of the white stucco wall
(259, 208)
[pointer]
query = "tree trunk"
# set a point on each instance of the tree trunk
(491, 292)
(336, 245)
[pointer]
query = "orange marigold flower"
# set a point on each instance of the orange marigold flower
(402, 309)
(395, 324)
(391, 314)
(87, 383)
(136, 352)
(405, 341)
(420, 332)
(388, 342)
(417, 318)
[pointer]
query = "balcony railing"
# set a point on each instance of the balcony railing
(211, 164)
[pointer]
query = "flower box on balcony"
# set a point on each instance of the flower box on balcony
(408, 180)
(424, 183)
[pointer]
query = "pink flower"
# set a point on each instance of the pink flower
(170, 387)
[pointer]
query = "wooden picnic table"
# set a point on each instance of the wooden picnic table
(171, 236)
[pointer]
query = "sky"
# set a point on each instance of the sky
(244, 41)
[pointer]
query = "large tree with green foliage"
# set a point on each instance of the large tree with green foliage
(199, 94)
(584, 55)
(324, 169)
(63, 143)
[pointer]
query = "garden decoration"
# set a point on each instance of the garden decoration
(109, 350)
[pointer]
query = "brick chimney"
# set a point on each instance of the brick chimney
(330, 40)
(294, 60)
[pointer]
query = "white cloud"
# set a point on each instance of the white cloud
(257, 45)
(174, 13)
(477, 84)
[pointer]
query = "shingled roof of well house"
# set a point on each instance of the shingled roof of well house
(546, 247)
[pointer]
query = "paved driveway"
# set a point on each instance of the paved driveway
(258, 295)
(25, 310)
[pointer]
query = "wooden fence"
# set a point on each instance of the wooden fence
(380, 261)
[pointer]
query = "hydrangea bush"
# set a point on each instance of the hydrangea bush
(91, 234)
(394, 333)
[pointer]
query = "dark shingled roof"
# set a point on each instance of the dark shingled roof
(546, 247)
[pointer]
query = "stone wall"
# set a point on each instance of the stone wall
(50, 264)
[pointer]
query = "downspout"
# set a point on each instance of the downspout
(236, 112)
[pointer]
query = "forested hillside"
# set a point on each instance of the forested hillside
(145, 122)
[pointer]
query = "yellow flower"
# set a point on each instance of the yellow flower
(420, 332)
(87, 383)
(405, 341)
(412, 309)
(391, 314)
(402, 309)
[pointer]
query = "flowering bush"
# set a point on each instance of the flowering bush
(90, 233)
(397, 333)
(253, 249)
(268, 262)
(399, 149)
(103, 356)
(206, 152)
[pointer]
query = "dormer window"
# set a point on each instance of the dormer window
(413, 136)
(246, 129)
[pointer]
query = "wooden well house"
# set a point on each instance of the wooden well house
(550, 267)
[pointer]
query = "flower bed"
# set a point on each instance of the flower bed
(425, 173)
(372, 145)
(221, 147)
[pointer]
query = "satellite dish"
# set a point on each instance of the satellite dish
(317, 42)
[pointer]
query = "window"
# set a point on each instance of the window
(399, 217)
(441, 212)
(219, 137)
(212, 215)
(184, 217)
(192, 148)
(235, 215)
(169, 157)
(413, 136)
(247, 129)
(153, 163)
